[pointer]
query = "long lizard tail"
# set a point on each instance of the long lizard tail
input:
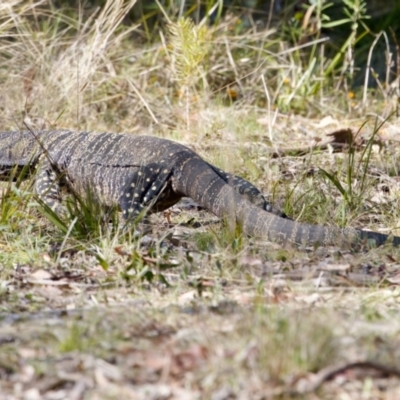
(210, 191)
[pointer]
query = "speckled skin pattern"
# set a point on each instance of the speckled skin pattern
(146, 172)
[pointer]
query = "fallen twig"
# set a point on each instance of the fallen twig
(315, 381)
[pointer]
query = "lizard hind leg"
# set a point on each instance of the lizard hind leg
(142, 190)
(249, 191)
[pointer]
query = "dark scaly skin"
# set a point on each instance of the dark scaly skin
(137, 172)
(248, 190)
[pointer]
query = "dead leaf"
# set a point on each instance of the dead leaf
(250, 261)
(40, 274)
(100, 378)
(336, 267)
(120, 251)
(189, 359)
(27, 374)
(32, 394)
(326, 121)
(155, 362)
(46, 257)
(311, 299)
(78, 390)
(241, 298)
(26, 352)
(50, 292)
(395, 279)
(187, 297)
(108, 371)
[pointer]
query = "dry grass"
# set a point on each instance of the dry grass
(191, 311)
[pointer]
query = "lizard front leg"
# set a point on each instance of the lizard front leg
(48, 187)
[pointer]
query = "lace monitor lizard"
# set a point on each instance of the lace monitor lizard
(137, 172)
